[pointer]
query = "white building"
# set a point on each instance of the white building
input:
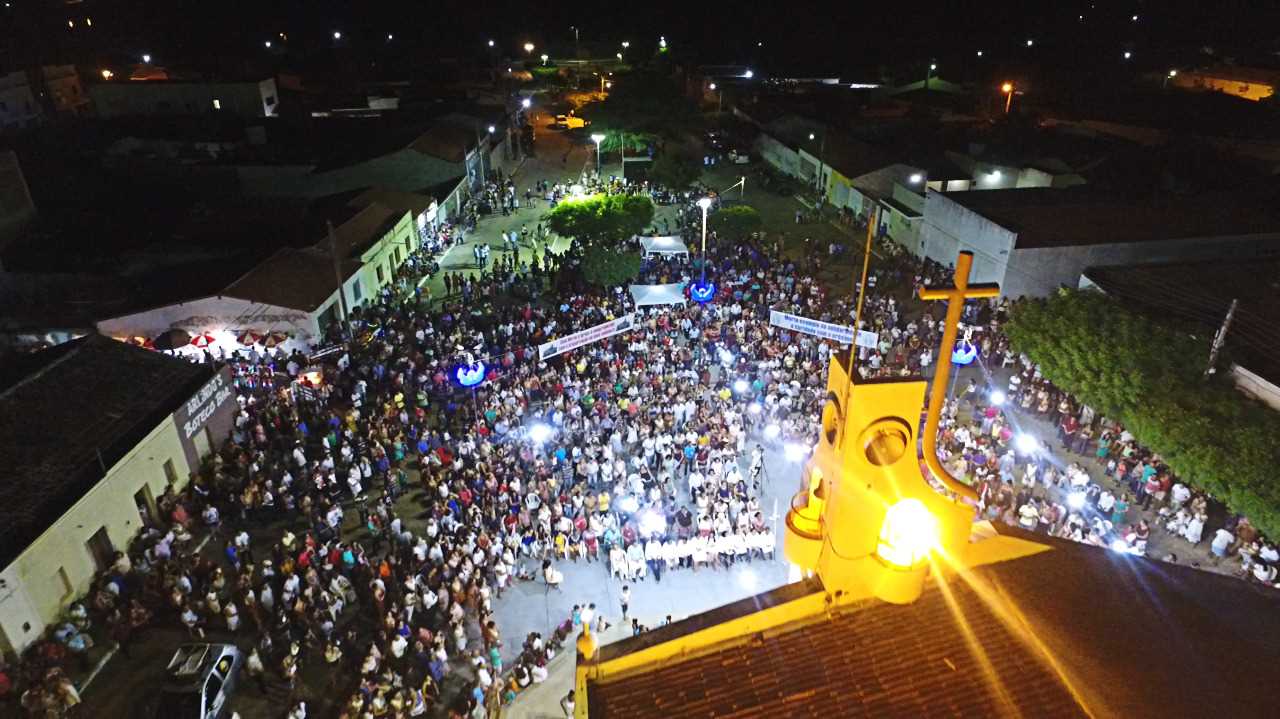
(247, 99)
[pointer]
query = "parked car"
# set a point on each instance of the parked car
(199, 681)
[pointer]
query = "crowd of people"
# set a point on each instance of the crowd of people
(365, 527)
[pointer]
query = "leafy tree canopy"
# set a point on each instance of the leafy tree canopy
(601, 220)
(609, 267)
(735, 222)
(675, 170)
(1148, 376)
(643, 106)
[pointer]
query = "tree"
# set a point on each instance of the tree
(601, 220)
(1148, 376)
(642, 107)
(735, 222)
(675, 170)
(609, 267)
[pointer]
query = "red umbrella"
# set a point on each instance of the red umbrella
(274, 338)
(202, 340)
(249, 338)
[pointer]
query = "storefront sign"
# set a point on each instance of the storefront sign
(826, 330)
(204, 403)
(586, 337)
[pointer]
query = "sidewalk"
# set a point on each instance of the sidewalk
(542, 701)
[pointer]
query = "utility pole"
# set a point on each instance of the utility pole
(337, 275)
(1220, 338)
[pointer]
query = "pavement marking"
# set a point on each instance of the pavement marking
(102, 662)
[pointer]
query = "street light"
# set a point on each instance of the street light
(1127, 54)
(337, 35)
(525, 103)
(979, 53)
(544, 58)
(390, 37)
(146, 58)
(662, 42)
(492, 129)
(1030, 42)
(929, 73)
(598, 139)
(618, 55)
(268, 44)
(107, 74)
(915, 178)
(1007, 89)
(701, 291)
(748, 74)
(528, 48)
(719, 99)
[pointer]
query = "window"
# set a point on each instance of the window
(269, 101)
(355, 291)
(170, 473)
(101, 549)
(380, 274)
(217, 104)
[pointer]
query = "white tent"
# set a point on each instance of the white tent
(667, 245)
(672, 294)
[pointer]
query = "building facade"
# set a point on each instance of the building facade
(249, 99)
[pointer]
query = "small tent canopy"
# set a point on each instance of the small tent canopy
(672, 294)
(668, 245)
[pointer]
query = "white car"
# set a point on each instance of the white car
(199, 681)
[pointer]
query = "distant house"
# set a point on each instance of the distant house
(1250, 83)
(1033, 241)
(18, 105)
(246, 98)
(95, 433)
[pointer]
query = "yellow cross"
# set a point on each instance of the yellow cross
(955, 297)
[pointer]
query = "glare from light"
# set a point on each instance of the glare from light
(625, 44)
(629, 504)
(933, 66)
(908, 534)
(525, 103)
(618, 55)
(107, 74)
(1075, 500)
(704, 202)
(1127, 54)
(771, 431)
(545, 57)
(528, 47)
(755, 408)
(597, 137)
(740, 386)
(268, 44)
(748, 74)
(1026, 444)
(795, 452)
(979, 53)
(915, 178)
(652, 522)
(995, 174)
(748, 579)
(997, 397)
(492, 129)
(1119, 545)
(1173, 73)
(390, 36)
(1006, 88)
(1030, 43)
(726, 357)
(713, 86)
(490, 43)
(146, 58)
(1134, 18)
(540, 433)
(811, 136)
(337, 35)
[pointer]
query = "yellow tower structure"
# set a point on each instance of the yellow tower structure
(867, 519)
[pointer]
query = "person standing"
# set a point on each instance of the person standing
(567, 705)
(625, 600)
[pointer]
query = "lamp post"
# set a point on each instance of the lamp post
(719, 99)
(545, 57)
(1007, 89)
(1169, 76)
(822, 151)
(598, 139)
(929, 73)
(528, 48)
(701, 292)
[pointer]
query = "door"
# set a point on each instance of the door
(146, 504)
(101, 549)
(213, 696)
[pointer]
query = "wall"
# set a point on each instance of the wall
(39, 593)
(213, 314)
(1256, 387)
(388, 253)
(1039, 271)
(206, 419)
(949, 227)
(242, 99)
(18, 106)
(777, 154)
(1240, 88)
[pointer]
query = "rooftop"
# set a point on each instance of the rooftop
(69, 413)
(413, 203)
(363, 229)
(1037, 215)
(1200, 294)
(292, 278)
(1127, 637)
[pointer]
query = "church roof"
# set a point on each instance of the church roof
(1128, 636)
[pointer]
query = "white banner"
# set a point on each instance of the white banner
(868, 339)
(586, 337)
(827, 331)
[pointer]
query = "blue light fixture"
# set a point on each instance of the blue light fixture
(470, 375)
(702, 291)
(964, 354)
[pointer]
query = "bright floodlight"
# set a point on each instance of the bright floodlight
(652, 522)
(933, 66)
(704, 202)
(748, 74)
(755, 408)
(748, 579)
(713, 86)
(772, 431)
(1006, 88)
(1030, 43)
(540, 433)
(1026, 444)
(146, 58)
(1127, 54)
(916, 178)
(1173, 73)
(629, 504)
(599, 138)
(492, 129)
(1075, 500)
(490, 43)
(795, 452)
(525, 103)
(979, 53)
(528, 47)
(741, 386)
(337, 35)
(908, 534)
(268, 44)
(997, 397)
